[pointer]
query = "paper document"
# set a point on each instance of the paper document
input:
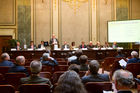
(123, 62)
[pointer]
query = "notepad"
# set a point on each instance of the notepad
(122, 62)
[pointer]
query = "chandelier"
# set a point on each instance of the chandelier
(75, 4)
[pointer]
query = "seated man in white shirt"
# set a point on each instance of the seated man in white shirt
(65, 46)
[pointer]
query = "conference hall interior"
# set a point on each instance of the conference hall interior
(69, 46)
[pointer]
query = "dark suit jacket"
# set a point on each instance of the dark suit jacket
(51, 41)
(124, 91)
(90, 46)
(19, 48)
(30, 46)
(21, 69)
(133, 60)
(67, 46)
(81, 46)
(39, 46)
(95, 78)
(50, 63)
(35, 80)
(6, 63)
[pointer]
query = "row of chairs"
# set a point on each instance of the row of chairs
(4, 69)
(14, 78)
(97, 87)
(111, 64)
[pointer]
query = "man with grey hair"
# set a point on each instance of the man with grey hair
(134, 58)
(92, 74)
(47, 60)
(34, 78)
(123, 80)
(19, 66)
(5, 60)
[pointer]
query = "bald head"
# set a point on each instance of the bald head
(35, 67)
(20, 60)
(134, 54)
(5, 56)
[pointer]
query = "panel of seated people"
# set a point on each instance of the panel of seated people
(95, 54)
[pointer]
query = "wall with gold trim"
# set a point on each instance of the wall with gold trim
(8, 18)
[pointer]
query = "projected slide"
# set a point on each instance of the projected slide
(124, 31)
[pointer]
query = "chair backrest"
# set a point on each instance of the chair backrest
(62, 63)
(7, 89)
(138, 88)
(61, 68)
(98, 87)
(2, 79)
(46, 75)
(134, 68)
(107, 62)
(4, 69)
(34, 88)
(56, 76)
(14, 78)
(47, 68)
(82, 73)
(60, 59)
(115, 66)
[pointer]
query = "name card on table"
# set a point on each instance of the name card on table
(95, 48)
(13, 49)
(29, 49)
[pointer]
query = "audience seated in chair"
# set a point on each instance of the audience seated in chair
(70, 82)
(5, 60)
(74, 67)
(19, 66)
(78, 53)
(134, 58)
(83, 66)
(92, 74)
(34, 78)
(47, 60)
(71, 56)
(123, 80)
(119, 54)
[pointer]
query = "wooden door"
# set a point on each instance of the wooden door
(4, 42)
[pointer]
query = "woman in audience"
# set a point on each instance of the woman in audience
(70, 82)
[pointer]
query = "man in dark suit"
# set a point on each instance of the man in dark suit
(134, 58)
(90, 45)
(19, 66)
(41, 45)
(32, 46)
(65, 46)
(123, 81)
(54, 40)
(47, 60)
(34, 78)
(83, 45)
(83, 66)
(92, 74)
(5, 60)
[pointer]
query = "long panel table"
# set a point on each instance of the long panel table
(92, 54)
